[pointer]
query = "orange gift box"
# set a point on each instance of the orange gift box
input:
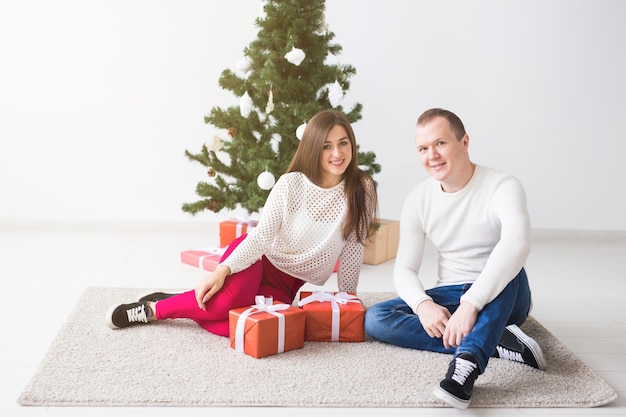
(231, 229)
(266, 328)
(206, 259)
(333, 317)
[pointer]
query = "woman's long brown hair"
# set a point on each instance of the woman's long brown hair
(359, 187)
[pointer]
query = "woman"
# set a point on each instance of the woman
(319, 212)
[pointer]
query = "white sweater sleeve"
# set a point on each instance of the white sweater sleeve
(261, 238)
(350, 262)
(410, 253)
(509, 254)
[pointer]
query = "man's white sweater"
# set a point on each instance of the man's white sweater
(481, 234)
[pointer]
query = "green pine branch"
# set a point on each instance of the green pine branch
(266, 140)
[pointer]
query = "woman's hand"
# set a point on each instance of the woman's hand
(210, 285)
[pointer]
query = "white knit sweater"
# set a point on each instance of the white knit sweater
(481, 234)
(300, 233)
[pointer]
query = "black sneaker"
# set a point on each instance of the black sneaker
(155, 296)
(125, 315)
(456, 388)
(516, 346)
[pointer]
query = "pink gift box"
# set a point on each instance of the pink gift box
(206, 259)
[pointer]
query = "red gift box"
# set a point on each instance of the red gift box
(266, 328)
(333, 317)
(206, 259)
(231, 229)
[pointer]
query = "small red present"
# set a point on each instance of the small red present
(206, 259)
(231, 229)
(266, 328)
(333, 317)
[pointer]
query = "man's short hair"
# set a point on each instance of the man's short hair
(455, 123)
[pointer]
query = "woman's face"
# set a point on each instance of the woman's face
(336, 156)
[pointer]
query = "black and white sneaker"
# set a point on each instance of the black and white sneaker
(125, 315)
(154, 296)
(515, 345)
(456, 388)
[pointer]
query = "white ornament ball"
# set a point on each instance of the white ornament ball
(295, 56)
(265, 180)
(300, 131)
(243, 66)
(215, 144)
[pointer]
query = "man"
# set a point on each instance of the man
(477, 220)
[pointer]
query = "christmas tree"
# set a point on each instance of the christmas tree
(283, 79)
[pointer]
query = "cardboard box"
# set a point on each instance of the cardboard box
(384, 244)
(266, 328)
(333, 317)
(231, 229)
(206, 259)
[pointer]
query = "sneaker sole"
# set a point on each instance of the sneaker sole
(450, 399)
(530, 343)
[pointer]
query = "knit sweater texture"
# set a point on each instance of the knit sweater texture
(299, 232)
(481, 234)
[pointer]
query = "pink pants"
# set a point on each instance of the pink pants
(239, 290)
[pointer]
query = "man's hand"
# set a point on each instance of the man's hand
(434, 318)
(211, 284)
(460, 324)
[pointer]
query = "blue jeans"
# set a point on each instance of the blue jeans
(393, 321)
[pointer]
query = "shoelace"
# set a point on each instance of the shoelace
(462, 369)
(137, 314)
(510, 355)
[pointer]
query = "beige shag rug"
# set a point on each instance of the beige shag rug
(176, 363)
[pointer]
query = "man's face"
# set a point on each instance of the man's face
(441, 153)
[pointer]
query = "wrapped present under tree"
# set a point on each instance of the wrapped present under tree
(266, 328)
(333, 317)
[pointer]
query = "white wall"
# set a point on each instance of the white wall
(99, 99)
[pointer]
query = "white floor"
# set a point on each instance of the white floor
(578, 279)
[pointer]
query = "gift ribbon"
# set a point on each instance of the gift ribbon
(335, 300)
(211, 252)
(241, 222)
(263, 305)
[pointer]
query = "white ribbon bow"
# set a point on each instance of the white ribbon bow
(263, 304)
(334, 299)
(241, 221)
